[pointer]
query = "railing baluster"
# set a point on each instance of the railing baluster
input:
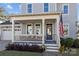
(24, 37)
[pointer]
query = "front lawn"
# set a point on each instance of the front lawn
(73, 52)
(18, 53)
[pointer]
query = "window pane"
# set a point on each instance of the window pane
(66, 30)
(29, 5)
(45, 7)
(45, 4)
(29, 8)
(29, 29)
(38, 29)
(65, 9)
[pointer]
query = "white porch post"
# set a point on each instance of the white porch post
(58, 35)
(13, 34)
(43, 24)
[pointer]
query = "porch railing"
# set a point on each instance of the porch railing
(32, 38)
(25, 37)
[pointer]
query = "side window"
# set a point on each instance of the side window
(29, 8)
(65, 9)
(46, 7)
(66, 30)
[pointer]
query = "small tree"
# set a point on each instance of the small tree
(69, 42)
(76, 43)
(62, 41)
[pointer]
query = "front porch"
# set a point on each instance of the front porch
(39, 29)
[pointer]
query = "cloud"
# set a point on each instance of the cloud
(9, 6)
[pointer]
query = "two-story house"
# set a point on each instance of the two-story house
(38, 23)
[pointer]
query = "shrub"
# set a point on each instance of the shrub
(68, 42)
(33, 48)
(62, 41)
(76, 43)
(10, 47)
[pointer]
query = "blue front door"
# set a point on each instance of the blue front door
(48, 34)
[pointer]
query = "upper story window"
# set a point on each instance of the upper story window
(29, 8)
(46, 7)
(65, 9)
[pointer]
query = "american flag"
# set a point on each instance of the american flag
(61, 27)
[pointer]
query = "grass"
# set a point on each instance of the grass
(26, 53)
(72, 54)
(18, 53)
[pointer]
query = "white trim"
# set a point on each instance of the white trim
(68, 30)
(57, 30)
(13, 30)
(63, 9)
(55, 7)
(48, 7)
(32, 8)
(26, 28)
(43, 29)
(53, 31)
(35, 28)
(10, 25)
(28, 41)
(21, 28)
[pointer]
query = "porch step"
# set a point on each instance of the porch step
(50, 42)
(52, 48)
(52, 51)
(51, 45)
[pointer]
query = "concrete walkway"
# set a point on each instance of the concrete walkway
(3, 44)
(50, 54)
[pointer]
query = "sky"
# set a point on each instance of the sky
(14, 8)
(11, 8)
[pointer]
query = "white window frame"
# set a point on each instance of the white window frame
(63, 9)
(35, 28)
(68, 30)
(27, 28)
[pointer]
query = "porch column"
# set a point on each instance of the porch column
(13, 30)
(58, 35)
(43, 30)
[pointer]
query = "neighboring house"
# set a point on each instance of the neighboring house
(39, 24)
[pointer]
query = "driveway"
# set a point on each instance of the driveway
(3, 44)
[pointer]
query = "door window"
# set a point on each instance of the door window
(49, 30)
